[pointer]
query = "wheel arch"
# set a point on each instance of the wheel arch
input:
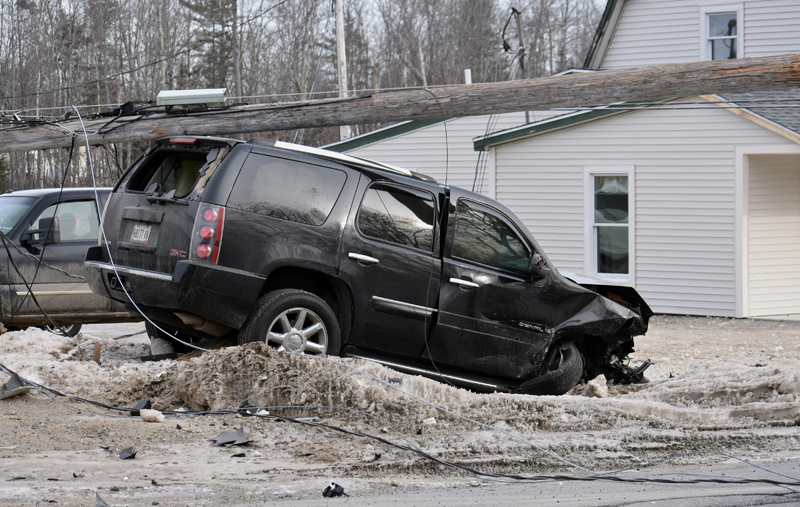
(332, 290)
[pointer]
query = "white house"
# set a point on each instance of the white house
(694, 200)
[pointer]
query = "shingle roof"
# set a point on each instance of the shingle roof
(780, 107)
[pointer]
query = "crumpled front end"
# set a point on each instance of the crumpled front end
(607, 326)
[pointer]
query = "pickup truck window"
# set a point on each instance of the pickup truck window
(286, 189)
(398, 215)
(12, 208)
(77, 220)
(484, 237)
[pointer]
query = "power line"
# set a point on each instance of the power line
(151, 64)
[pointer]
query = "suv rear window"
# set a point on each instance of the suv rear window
(173, 168)
(287, 189)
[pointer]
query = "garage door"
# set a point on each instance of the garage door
(774, 235)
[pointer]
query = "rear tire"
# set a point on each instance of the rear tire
(295, 321)
(558, 381)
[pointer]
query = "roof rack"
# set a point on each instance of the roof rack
(329, 155)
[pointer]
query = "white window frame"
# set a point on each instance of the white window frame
(590, 236)
(705, 42)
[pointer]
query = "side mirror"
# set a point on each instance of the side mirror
(48, 233)
(536, 267)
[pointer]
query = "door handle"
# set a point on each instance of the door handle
(464, 283)
(363, 258)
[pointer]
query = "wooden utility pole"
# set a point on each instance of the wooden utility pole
(237, 69)
(341, 60)
(575, 90)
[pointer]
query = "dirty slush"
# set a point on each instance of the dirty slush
(717, 384)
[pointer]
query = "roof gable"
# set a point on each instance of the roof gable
(380, 134)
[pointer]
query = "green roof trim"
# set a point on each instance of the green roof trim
(380, 134)
(551, 124)
(601, 31)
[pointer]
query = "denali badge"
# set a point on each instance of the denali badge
(532, 327)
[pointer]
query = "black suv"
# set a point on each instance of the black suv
(47, 240)
(322, 253)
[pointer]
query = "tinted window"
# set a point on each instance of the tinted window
(484, 237)
(398, 216)
(287, 189)
(77, 220)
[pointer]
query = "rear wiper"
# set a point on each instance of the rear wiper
(168, 197)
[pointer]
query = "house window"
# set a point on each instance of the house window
(723, 35)
(609, 223)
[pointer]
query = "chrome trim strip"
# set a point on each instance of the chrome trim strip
(131, 271)
(53, 289)
(407, 305)
(363, 258)
(420, 371)
(55, 292)
(464, 283)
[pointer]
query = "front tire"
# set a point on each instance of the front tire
(560, 380)
(294, 321)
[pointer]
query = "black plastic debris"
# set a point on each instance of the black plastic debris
(100, 501)
(395, 380)
(142, 405)
(178, 427)
(153, 482)
(239, 455)
(334, 490)
(371, 459)
(14, 387)
(128, 453)
(230, 438)
(158, 357)
(76, 476)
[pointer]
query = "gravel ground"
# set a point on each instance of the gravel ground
(717, 386)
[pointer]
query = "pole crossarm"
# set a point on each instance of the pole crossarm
(572, 90)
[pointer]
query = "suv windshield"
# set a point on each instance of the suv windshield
(12, 209)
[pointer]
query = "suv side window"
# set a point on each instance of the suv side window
(398, 215)
(483, 236)
(287, 189)
(77, 220)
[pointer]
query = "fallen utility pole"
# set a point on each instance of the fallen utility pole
(574, 90)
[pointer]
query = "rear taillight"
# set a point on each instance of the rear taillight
(207, 233)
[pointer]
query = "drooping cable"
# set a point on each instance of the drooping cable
(108, 248)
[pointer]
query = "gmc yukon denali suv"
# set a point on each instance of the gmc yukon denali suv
(317, 252)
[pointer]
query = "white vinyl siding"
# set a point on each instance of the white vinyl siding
(652, 32)
(448, 157)
(774, 234)
(684, 198)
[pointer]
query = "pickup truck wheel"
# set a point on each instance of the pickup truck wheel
(560, 380)
(294, 321)
(72, 330)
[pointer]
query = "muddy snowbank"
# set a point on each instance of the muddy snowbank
(710, 393)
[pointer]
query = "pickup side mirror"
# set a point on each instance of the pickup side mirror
(47, 226)
(536, 267)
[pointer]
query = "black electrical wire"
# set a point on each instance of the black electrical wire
(461, 469)
(151, 64)
(41, 255)
(27, 286)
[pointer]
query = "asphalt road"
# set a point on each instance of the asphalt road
(707, 486)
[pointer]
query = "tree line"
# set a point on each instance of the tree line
(101, 53)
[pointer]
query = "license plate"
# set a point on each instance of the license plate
(140, 234)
